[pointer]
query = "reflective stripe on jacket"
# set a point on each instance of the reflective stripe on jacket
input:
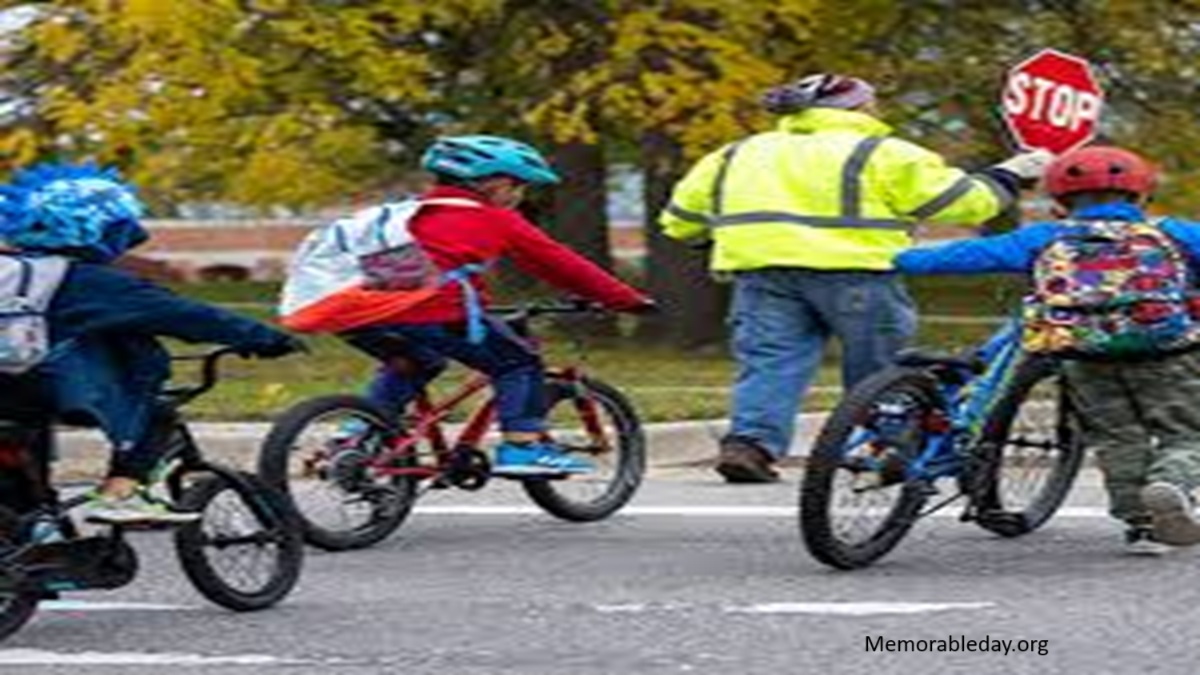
(828, 190)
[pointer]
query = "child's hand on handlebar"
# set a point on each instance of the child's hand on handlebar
(647, 306)
(282, 345)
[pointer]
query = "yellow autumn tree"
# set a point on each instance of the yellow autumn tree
(660, 82)
(944, 69)
(271, 102)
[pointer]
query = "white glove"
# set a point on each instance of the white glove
(1028, 165)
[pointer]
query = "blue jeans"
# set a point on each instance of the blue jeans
(514, 368)
(781, 320)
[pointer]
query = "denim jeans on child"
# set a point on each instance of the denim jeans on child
(781, 320)
(515, 368)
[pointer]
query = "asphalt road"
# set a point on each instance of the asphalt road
(699, 578)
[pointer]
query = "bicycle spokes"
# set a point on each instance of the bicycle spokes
(333, 468)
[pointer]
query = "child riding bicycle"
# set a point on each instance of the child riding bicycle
(102, 364)
(1114, 295)
(457, 229)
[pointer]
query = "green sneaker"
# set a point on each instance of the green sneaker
(136, 509)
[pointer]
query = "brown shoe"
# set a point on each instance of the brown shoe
(743, 461)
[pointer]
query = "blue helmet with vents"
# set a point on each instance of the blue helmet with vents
(77, 210)
(474, 157)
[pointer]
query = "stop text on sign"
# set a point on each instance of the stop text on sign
(1042, 99)
(1052, 101)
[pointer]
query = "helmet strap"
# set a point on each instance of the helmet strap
(503, 191)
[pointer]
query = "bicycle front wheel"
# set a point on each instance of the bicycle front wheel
(246, 551)
(319, 455)
(17, 605)
(1029, 453)
(855, 502)
(596, 422)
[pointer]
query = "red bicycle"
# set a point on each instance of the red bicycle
(353, 473)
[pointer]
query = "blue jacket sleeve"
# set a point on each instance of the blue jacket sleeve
(100, 299)
(1014, 252)
(1186, 234)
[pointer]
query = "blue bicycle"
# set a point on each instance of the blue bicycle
(995, 421)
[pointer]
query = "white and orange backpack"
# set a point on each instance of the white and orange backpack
(362, 270)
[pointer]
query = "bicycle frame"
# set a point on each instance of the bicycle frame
(430, 415)
(180, 455)
(970, 401)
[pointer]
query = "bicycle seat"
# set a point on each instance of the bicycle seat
(917, 358)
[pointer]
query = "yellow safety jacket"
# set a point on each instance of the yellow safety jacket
(830, 189)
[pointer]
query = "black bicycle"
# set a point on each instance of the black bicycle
(245, 553)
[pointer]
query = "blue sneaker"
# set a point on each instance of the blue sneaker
(536, 459)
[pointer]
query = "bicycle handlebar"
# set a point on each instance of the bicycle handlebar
(550, 307)
(209, 374)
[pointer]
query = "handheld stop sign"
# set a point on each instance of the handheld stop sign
(1052, 101)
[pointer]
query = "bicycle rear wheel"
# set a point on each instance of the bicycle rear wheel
(246, 551)
(317, 454)
(855, 504)
(17, 605)
(1028, 455)
(595, 421)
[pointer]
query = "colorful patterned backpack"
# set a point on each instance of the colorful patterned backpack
(1111, 290)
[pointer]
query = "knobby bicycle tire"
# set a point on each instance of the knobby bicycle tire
(993, 514)
(826, 459)
(272, 513)
(18, 608)
(16, 611)
(281, 441)
(630, 447)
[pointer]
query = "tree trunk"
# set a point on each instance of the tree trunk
(573, 212)
(580, 220)
(581, 202)
(693, 305)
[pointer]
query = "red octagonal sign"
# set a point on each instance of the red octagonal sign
(1052, 101)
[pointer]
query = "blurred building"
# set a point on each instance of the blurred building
(258, 250)
(225, 242)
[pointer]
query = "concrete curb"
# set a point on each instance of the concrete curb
(671, 444)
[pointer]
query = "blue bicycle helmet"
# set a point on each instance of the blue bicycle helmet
(472, 157)
(82, 211)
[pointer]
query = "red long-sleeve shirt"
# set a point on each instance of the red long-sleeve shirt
(453, 236)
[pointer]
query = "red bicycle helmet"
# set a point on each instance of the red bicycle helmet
(1098, 169)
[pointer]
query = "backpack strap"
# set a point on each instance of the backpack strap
(38, 279)
(476, 326)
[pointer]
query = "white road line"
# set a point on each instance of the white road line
(821, 608)
(87, 606)
(695, 511)
(856, 608)
(38, 657)
(621, 609)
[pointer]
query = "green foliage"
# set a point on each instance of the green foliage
(666, 384)
(295, 102)
(272, 102)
